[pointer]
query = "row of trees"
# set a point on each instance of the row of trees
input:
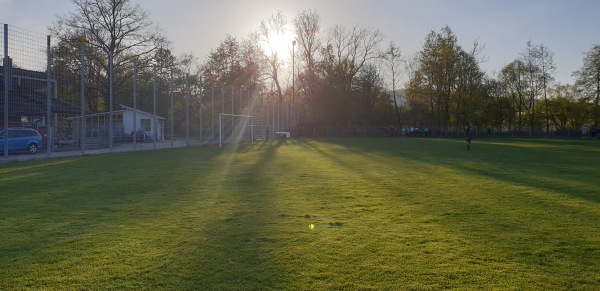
(449, 89)
(343, 76)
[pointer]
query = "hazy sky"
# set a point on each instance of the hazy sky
(568, 28)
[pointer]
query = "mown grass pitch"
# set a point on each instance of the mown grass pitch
(387, 214)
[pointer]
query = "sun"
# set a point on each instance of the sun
(280, 43)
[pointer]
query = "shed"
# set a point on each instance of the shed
(97, 124)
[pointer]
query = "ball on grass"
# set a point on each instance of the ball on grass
(311, 226)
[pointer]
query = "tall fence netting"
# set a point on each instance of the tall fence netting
(78, 100)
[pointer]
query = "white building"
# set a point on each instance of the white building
(125, 122)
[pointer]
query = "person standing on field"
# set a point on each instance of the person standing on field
(468, 137)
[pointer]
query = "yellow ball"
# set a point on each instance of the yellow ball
(311, 226)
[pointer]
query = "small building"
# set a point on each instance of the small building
(97, 125)
(143, 120)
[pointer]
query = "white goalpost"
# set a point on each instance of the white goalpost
(235, 128)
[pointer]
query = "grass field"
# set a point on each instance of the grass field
(388, 214)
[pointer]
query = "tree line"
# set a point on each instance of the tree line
(336, 76)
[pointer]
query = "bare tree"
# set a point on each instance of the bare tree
(113, 26)
(274, 25)
(411, 66)
(116, 27)
(345, 54)
(532, 76)
(588, 79)
(350, 49)
(307, 26)
(393, 61)
(545, 61)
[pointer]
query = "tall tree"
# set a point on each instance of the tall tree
(393, 60)
(547, 67)
(588, 80)
(116, 27)
(512, 76)
(269, 29)
(233, 65)
(469, 97)
(372, 103)
(498, 108)
(529, 57)
(567, 108)
(345, 54)
(448, 81)
(307, 27)
(436, 77)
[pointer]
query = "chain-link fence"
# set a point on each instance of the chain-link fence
(80, 101)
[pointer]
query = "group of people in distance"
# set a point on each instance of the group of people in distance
(415, 131)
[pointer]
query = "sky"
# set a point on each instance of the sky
(568, 28)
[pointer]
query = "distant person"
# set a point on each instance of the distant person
(468, 137)
(584, 131)
(267, 133)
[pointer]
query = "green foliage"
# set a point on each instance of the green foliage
(388, 214)
(448, 85)
(588, 80)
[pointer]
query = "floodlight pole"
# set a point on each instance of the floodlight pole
(293, 80)
(82, 128)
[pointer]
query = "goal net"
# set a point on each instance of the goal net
(235, 128)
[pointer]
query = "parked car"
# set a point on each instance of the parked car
(21, 140)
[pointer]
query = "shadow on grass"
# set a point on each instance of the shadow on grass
(527, 232)
(566, 167)
(209, 220)
(240, 245)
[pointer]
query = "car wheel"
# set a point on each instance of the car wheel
(32, 148)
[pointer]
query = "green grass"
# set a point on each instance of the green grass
(390, 214)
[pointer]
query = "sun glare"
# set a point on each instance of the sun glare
(280, 43)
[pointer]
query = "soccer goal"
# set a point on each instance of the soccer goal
(235, 128)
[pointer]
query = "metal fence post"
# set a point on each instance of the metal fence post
(212, 113)
(50, 139)
(187, 110)
(171, 105)
(154, 130)
(5, 68)
(201, 108)
(110, 94)
(83, 117)
(135, 129)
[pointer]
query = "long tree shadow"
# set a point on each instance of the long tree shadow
(515, 225)
(550, 165)
(239, 246)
